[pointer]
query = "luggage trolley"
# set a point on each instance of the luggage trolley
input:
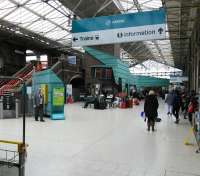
(12, 153)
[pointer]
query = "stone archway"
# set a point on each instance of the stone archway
(78, 83)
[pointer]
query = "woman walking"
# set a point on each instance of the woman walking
(151, 109)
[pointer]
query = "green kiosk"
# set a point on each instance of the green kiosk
(54, 92)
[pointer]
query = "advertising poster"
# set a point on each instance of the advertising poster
(44, 88)
(58, 96)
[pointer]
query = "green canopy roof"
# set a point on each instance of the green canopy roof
(121, 70)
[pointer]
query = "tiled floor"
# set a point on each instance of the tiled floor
(112, 142)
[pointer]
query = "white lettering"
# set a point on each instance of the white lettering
(118, 21)
(86, 38)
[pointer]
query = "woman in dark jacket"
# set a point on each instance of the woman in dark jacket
(150, 109)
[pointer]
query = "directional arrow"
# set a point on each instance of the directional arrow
(75, 39)
(160, 30)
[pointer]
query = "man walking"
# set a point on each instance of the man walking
(169, 101)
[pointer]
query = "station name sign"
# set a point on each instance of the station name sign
(121, 28)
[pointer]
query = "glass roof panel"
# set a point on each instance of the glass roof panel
(47, 18)
(21, 1)
(56, 35)
(161, 49)
(41, 26)
(20, 16)
(40, 7)
(6, 7)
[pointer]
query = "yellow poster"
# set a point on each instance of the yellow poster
(44, 88)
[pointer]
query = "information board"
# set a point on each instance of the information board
(71, 60)
(120, 28)
(58, 96)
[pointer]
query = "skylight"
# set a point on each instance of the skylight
(46, 18)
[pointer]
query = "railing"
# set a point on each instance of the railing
(25, 74)
(12, 161)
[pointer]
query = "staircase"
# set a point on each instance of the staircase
(11, 85)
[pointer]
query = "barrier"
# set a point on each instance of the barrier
(12, 161)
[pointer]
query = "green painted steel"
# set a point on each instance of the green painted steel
(147, 81)
(121, 70)
(49, 78)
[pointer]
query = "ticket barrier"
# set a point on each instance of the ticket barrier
(9, 106)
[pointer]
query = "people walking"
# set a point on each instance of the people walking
(176, 105)
(193, 105)
(151, 109)
(38, 105)
(169, 102)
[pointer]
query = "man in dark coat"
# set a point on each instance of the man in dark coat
(151, 109)
(169, 100)
(176, 105)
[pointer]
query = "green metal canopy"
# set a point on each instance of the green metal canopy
(121, 70)
(148, 81)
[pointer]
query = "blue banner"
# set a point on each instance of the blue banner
(119, 21)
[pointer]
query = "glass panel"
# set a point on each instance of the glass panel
(40, 7)
(56, 34)
(21, 1)
(41, 26)
(6, 7)
(21, 15)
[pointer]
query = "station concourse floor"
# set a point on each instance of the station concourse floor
(111, 142)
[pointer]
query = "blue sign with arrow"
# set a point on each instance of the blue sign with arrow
(119, 28)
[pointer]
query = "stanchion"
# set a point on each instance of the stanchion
(17, 108)
(1, 108)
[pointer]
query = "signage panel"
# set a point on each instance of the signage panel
(58, 96)
(119, 28)
(71, 60)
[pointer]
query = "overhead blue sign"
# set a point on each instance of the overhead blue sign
(119, 28)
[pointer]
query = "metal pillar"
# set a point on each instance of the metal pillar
(17, 108)
(38, 57)
(117, 50)
(1, 107)
(197, 71)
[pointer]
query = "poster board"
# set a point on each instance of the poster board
(58, 96)
(44, 89)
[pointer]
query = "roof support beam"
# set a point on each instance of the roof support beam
(17, 6)
(136, 3)
(105, 4)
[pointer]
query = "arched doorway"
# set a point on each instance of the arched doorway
(78, 85)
